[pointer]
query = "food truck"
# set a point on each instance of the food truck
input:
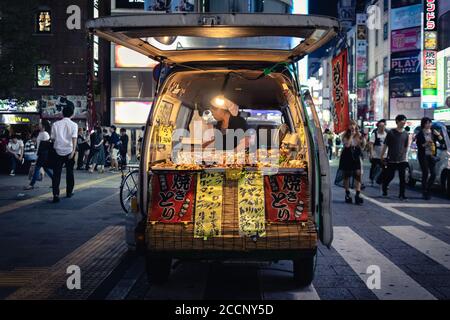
(233, 163)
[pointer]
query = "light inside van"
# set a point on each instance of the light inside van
(219, 101)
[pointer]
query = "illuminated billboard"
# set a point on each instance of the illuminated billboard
(127, 58)
(134, 113)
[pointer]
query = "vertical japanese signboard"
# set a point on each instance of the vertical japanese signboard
(286, 197)
(340, 92)
(430, 46)
(361, 64)
(173, 197)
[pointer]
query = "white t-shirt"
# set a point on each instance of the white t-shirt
(42, 136)
(377, 148)
(15, 147)
(63, 131)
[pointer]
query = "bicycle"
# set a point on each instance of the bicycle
(128, 185)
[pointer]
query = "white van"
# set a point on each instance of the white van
(214, 209)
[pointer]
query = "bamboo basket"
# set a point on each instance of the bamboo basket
(279, 236)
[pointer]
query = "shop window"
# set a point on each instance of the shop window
(43, 75)
(259, 6)
(386, 5)
(377, 34)
(44, 22)
(385, 31)
(385, 64)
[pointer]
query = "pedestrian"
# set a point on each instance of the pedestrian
(82, 147)
(98, 157)
(329, 142)
(91, 151)
(396, 143)
(64, 136)
(43, 146)
(350, 161)
(123, 149)
(426, 140)
(30, 149)
(114, 144)
(376, 143)
(15, 151)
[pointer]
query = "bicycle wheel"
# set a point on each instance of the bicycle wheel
(129, 189)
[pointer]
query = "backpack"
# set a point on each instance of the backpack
(377, 140)
(338, 141)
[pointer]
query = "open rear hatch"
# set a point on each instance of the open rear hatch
(192, 37)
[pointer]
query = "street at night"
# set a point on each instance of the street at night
(225, 158)
(408, 241)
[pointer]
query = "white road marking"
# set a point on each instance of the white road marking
(432, 247)
(418, 205)
(397, 212)
(277, 284)
(395, 284)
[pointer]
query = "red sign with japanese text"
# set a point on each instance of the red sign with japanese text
(286, 197)
(173, 197)
(340, 92)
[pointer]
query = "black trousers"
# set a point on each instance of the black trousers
(375, 164)
(428, 167)
(89, 158)
(70, 180)
(81, 150)
(390, 173)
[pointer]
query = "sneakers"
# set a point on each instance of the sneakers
(12, 173)
(69, 195)
(426, 196)
(402, 198)
(28, 187)
(55, 199)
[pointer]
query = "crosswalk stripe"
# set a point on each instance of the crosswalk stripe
(277, 284)
(397, 212)
(395, 284)
(418, 205)
(432, 247)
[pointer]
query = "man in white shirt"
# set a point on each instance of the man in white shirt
(64, 136)
(15, 150)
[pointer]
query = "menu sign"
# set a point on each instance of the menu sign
(286, 197)
(173, 197)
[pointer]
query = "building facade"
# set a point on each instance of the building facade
(60, 70)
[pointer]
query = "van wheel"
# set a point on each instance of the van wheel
(304, 271)
(158, 269)
(448, 183)
(409, 180)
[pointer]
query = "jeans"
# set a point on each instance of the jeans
(428, 167)
(70, 180)
(389, 175)
(13, 162)
(37, 169)
(375, 165)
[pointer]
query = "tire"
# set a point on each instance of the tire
(158, 269)
(408, 177)
(304, 271)
(128, 189)
(448, 184)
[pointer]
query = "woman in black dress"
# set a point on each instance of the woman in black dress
(350, 161)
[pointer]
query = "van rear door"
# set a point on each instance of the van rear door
(193, 37)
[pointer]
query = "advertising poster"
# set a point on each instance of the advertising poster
(376, 98)
(340, 92)
(12, 106)
(405, 86)
(406, 17)
(51, 106)
(170, 5)
(405, 63)
(129, 4)
(404, 40)
(410, 107)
